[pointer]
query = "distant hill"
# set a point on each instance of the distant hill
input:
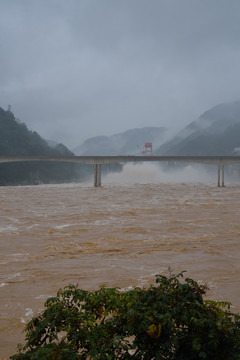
(17, 140)
(125, 143)
(215, 132)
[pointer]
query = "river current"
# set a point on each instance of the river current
(121, 234)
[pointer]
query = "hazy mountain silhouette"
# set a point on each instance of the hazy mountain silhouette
(215, 132)
(125, 143)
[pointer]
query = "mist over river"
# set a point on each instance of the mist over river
(121, 234)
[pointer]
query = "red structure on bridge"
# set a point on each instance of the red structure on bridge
(147, 149)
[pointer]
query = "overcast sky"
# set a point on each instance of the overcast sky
(74, 69)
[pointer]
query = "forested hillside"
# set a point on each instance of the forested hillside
(17, 140)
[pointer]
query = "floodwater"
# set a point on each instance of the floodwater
(121, 234)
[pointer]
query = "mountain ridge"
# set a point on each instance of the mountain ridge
(215, 132)
(125, 143)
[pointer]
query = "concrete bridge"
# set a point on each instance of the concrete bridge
(97, 161)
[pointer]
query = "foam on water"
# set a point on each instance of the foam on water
(27, 316)
(62, 226)
(8, 229)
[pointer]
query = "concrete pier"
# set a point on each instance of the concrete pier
(223, 176)
(219, 175)
(97, 175)
(99, 170)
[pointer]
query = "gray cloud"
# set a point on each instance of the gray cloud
(75, 69)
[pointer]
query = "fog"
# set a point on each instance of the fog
(148, 173)
(76, 69)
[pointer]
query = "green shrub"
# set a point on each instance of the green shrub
(167, 321)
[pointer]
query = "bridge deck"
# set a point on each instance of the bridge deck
(97, 161)
(217, 160)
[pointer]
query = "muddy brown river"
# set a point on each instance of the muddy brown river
(121, 234)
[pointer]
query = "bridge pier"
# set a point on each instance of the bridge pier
(97, 175)
(223, 176)
(219, 175)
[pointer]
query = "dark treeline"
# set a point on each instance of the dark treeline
(17, 140)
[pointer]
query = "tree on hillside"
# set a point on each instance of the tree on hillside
(167, 321)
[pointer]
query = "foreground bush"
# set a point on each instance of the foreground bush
(166, 321)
